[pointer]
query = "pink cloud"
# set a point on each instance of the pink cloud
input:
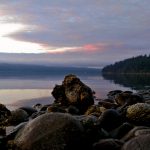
(94, 47)
(87, 48)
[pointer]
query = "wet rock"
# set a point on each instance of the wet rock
(73, 92)
(121, 131)
(133, 133)
(87, 121)
(37, 106)
(112, 94)
(56, 131)
(108, 144)
(142, 132)
(44, 107)
(145, 94)
(55, 108)
(108, 100)
(11, 134)
(18, 116)
(127, 98)
(139, 114)
(72, 110)
(93, 110)
(4, 113)
(91, 131)
(36, 114)
(110, 119)
(59, 95)
(108, 105)
(29, 110)
(138, 143)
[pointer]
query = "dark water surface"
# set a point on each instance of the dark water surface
(29, 89)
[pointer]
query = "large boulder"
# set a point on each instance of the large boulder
(51, 131)
(141, 142)
(139, 114)
(74, 92)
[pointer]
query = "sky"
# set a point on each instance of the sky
(73, 32)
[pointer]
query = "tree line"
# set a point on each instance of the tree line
(134, 65)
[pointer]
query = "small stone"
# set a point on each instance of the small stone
(93, 109)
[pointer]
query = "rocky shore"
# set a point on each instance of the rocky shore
(74, 121)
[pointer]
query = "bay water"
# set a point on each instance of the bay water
(28, 91)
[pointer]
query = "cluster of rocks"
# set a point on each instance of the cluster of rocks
(73, 121)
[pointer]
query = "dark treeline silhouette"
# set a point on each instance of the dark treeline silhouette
(134, 65)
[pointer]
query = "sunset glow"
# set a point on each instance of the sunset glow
(9, 45)
(75, 31)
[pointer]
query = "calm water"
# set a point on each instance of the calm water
(16, 91)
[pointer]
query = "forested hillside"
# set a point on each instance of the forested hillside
(139, 64)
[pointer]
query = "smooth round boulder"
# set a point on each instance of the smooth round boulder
(139, 114)
(51, 131)
(138, 143)
(110, 119)
(29, 110)
(18, 116)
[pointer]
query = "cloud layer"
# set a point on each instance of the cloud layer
(108, 29)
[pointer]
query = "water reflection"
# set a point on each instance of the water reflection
(136, 81)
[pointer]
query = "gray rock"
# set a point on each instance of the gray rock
(93, 110)
(51, 131)
(138, 143)
(108, 144)
(29, 110)
(127, 98)
(4, 113)
(133, 133)
(73, 92)
(17, 116)
(139, 114)
(121, 131)
(111, 94)
(110, 119)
